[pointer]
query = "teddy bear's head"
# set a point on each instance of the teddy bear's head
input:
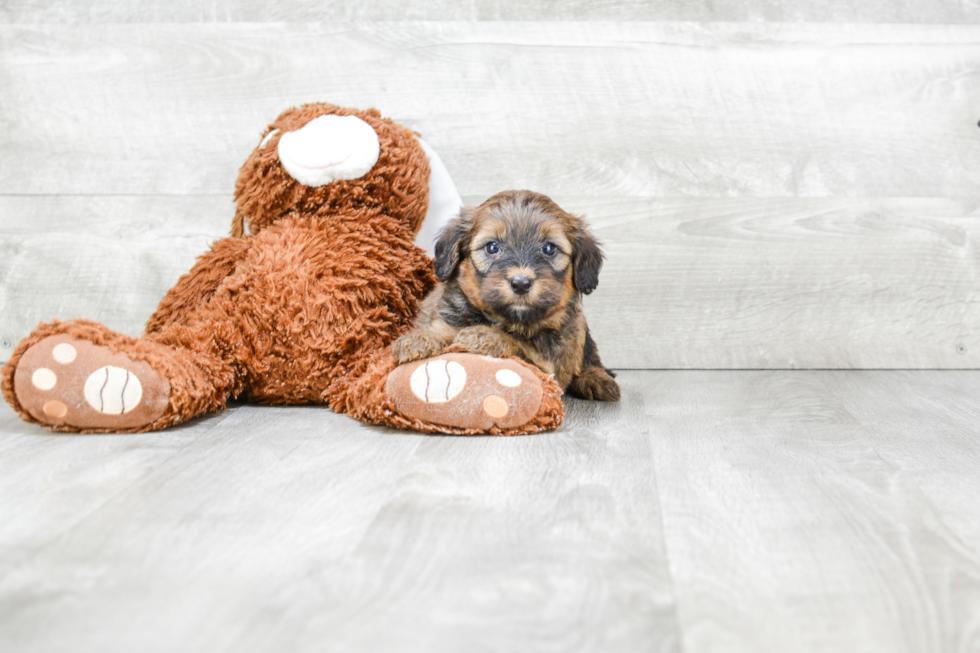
(324, 160)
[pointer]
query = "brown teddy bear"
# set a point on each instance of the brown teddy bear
(303, 309)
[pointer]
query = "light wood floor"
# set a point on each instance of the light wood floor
(709, 511)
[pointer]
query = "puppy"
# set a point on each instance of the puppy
(513, 271)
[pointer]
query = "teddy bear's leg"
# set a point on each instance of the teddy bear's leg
(81, 376)
(457, 393)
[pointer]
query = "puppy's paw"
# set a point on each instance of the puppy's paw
(594, 384)
(483, 340)
(416, 345)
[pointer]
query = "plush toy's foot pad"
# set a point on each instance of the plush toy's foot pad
(63, 381)
(467, 391)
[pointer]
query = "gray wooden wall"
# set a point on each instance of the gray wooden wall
(777, 184)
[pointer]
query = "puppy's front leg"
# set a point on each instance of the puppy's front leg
(491, 342)
(594, 384)
(418, 344)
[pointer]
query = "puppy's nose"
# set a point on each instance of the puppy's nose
(521, 284)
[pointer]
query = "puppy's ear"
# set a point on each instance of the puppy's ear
(449, 246)
(587, 260)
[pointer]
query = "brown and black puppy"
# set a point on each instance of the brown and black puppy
(513, 271)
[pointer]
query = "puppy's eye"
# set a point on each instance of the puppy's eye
(549, 249)
(492, 247)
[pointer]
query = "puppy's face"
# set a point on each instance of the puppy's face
(519, 256)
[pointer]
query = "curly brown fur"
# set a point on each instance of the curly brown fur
(293, 311)
(328, 275)
(512, 273)
(265, 193)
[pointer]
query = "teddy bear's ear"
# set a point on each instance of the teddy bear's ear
(444, 201)
(450, 244)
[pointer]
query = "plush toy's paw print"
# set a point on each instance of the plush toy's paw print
(62, 381)
(466, 391)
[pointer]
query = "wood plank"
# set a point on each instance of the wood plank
(786, 529)
(544, 543)
(51, 483)
(928, 430)
(838, 11)
(109, 259)
(764, 284)
(688, 283)
(299, 529)
(232, 540)
(628, 108)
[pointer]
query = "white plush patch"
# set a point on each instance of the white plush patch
(329, 148)
(438, 381)
(444, 201)
(113, 390)
(64, 353)
(508, 378)
(44, 379)
(268, 137)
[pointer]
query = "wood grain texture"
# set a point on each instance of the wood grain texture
(747, 511)
(49, 484)
(688, 283)
(297, 529)
(231, 543)
(631, 108)
(543, 543)
(804, 283)
(789, 528)
(901, 429)
(109, 259)
(839, 11)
